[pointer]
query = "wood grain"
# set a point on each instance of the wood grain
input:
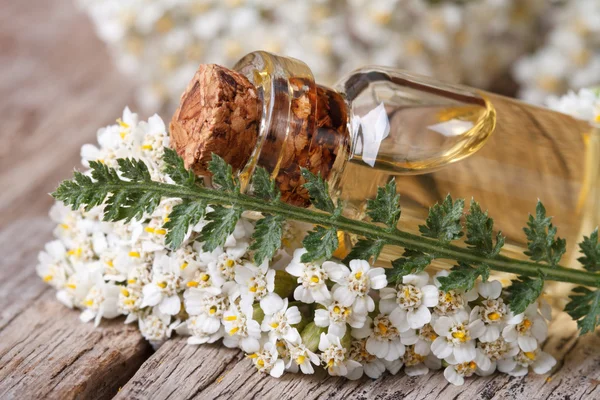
(180, 371)
(58, 86)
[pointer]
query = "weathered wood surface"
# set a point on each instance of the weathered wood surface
(57, 87)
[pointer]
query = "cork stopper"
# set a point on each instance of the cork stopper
(220, 113)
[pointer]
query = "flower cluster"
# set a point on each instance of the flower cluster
(287, 315)
(583, 105)
(570, 55)
(163, 41)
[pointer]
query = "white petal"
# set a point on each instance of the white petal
(271, 303)
(170, 305)
(151, 295)
(378, 278)
(304, 295)
(416, 370)
(418, 280)
(409, 337)
(543, 363)
(321, 294)
(430, 295)
(395, 351)
(374, 369)
(398, 318)
(376, 347)
(441, 348)
(510, 333)
(321, 317)
(250, 344)
(453, 377)
(278, 369)
(442, 326)
(465, 352)
(490, 290)
(422, 347)
(419, 317)
(387, 306)
(476, 328)
(337, 329)
(336, 272)
(343, 295)
(491, 333)
(527, 343)
(506, 365)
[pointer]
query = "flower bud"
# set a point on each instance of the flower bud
(311, 335)
(257, 313)
(284, 283)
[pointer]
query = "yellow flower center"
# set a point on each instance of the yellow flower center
(494, 316)
(162, 285)
(530, 355)
(300, 360)
(314, 279)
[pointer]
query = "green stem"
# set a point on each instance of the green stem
(369, 230)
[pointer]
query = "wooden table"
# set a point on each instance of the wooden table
(56, 88)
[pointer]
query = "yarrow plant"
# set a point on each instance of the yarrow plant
(139, 235)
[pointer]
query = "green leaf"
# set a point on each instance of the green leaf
(320, 244)
(584, 307)
(480, 229)
(523, 292)
(463, 277)
(123, 200)
(181, 218)
(590, 248)
(412, 262)
(134, 170)
(267, 237)
(264, 186)
(175, 168)
(385, 208)
(222, 174)
(222, 223)
(443, 221)
(124, 204)
(81, 191)
(318, 190)
(541, 240)
(364, 249)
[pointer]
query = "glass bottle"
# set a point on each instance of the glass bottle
(379, 123)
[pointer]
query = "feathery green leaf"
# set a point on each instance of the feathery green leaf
(480, 229)
(590, 248)
(524, 291)
(443, 221)
(412, 262)
(541, 240)
(320, 244)
(175, 168)
(264, 186)
(267, 237)
(222, 223)
(584, 308)
(182, 216)
(318, 191)
(463, 277)
(385, 208)
(365, 249)
(222, 174)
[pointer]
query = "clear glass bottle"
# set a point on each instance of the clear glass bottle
(433, 138)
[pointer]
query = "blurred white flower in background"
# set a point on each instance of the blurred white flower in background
(162, 42)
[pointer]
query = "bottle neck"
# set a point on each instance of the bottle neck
(303, 125)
